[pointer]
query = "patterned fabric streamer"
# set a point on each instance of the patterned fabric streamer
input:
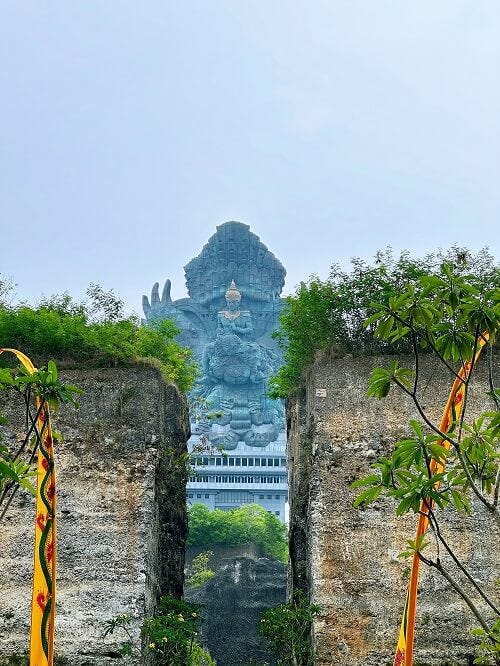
(452, 411)
(44, 574)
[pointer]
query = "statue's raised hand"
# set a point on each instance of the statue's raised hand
(159, 308)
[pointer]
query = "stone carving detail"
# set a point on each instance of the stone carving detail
(234, 302)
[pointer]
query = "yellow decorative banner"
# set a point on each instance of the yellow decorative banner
(44, 574)
(452, 411)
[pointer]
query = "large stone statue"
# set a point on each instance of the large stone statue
(234, 302)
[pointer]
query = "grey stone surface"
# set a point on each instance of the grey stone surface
(231, 605)
(121, 514)
(346, 559)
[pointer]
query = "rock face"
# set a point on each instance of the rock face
(346, 559)
(231, 604)
(121, 511)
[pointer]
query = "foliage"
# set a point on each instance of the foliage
(16, 468)
(121, 623)
(94, 333)
(6, 288)
(450, 315)
(248, 523)
(14, 472)
(288, 628)
(488, 649)
(330, 315)
(170, 635)
(200, 573)
(104, 305)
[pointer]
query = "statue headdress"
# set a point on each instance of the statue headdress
(233, 294)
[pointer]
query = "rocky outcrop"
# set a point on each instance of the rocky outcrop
(121, 509)
(231, 605)
(347, 559)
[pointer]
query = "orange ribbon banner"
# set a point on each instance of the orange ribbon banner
(44, 574)
(452, 411)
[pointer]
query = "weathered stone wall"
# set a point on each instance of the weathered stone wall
(121, 509)
(346, 559)
(231, 605)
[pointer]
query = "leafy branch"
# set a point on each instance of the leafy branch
(16, 467)
(438, 465)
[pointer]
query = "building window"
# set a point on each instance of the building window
(207, 496)
(205, 461)
(250, 462)
(225, 462)
(263, 462)
(261, 496)
(231, 462)
(269, 462)
(244, 462)
(238, 462)
(276, 462)
(277, 513)
(198, 495)
(257, 462)
(269, 497)
(276, 497)
(190, 495)
(283, 462)
(218, 462)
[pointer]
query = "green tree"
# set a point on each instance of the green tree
(450, 315)
(329, 315)
(6, 289)
(248, 523)
(199, 571)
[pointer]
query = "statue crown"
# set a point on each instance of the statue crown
(232, 294)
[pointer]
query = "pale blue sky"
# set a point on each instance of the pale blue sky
(129, 130)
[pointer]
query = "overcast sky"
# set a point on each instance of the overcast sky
(130, 129)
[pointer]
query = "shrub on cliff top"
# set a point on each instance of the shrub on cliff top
(329, 315)
(94, 333)
(248, 523)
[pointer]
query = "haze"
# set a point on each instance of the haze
(129, 130)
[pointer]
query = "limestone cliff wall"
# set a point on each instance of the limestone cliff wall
(346, 559)
(121, 509)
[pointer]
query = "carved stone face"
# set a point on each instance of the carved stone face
(232, 306)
